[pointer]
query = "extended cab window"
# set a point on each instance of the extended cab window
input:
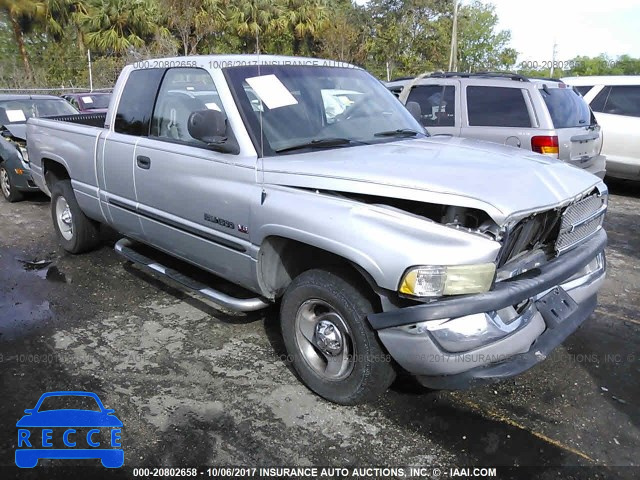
(438, 104)
(183, 91)
(133, 116)
(497, 107)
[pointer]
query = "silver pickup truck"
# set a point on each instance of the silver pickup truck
(307, 183)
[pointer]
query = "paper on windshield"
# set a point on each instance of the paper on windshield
(212, 106)
(87, 99)
(272, 91)
(15, 116)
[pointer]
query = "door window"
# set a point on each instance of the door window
(497, 107)
(621, 100)
(437, 104)
(183, 91)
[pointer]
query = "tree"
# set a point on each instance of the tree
(193, 20)
(115, 26)
(408, 36)
(305, 18)
(22, 14)
(343, 36)
(251, 19)
(480, 45)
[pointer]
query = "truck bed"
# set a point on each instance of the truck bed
(70, 140)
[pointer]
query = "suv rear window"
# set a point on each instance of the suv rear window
(497, 107)
(566, 107)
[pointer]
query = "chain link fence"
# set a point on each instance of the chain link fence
(51, 91)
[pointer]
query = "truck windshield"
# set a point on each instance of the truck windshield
(292, 108)
(18, 111)
(567, 108)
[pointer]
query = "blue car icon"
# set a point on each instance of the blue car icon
(33, 446)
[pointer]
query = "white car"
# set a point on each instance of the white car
(615, 101)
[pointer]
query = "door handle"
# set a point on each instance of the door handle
(144, 162)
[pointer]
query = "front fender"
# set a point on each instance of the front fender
(383, 241)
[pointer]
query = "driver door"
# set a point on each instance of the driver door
(193, 201)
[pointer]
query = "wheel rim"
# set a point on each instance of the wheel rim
(4, 182)
(324, 340)
(64, 218)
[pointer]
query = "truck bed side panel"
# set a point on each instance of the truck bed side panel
(75, 147)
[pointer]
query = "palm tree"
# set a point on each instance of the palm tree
(61, 14)
(306, 18)
(22, 15)
(251, 18)
(115, 26)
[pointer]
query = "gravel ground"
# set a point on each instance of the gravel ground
(197, 386)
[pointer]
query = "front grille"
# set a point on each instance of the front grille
(580, 221)
(538, 231)
(555, 231)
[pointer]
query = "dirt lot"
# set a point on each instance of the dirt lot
(195, 386)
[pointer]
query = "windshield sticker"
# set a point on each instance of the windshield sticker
(212, 106)
(16, 116)
(272, 91)
(87, 99)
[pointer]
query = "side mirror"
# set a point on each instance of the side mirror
(29, 411)
(109, 411)
(209, 126)
(415, 110)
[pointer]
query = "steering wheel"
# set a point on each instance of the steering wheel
(358, 110)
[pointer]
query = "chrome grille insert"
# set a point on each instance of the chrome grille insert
(580, 221)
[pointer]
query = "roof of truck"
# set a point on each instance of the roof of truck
(239, 60)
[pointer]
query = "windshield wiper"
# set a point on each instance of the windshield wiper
(401, 133)
(319, 143)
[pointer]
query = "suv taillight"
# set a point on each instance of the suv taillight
(545, 145)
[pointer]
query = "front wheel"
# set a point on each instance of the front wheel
(76, 232)
(9, 191)
(332, 348)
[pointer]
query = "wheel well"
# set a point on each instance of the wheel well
(280, 260)
(53, 171)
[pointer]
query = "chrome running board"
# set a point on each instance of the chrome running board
(126, 248)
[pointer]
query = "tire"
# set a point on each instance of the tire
(328, 340)
(76, 232)
(9, 192)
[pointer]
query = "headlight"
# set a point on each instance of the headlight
(23, 152)
(435, 281)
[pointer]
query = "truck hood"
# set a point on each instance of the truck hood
(507, 183)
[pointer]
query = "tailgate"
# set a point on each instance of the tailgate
(579, 146)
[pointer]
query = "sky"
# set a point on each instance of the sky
(578, 27)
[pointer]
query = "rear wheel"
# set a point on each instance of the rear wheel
(9, 191)
(76, 232)
(331, 346)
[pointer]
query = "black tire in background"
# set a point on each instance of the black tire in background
(9, 192)
(76, 232)
(332, 301)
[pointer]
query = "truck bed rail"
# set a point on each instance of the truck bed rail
(89, 119)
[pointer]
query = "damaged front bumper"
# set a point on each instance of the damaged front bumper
(458, 342)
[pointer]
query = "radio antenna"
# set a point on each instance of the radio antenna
(261, 102)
